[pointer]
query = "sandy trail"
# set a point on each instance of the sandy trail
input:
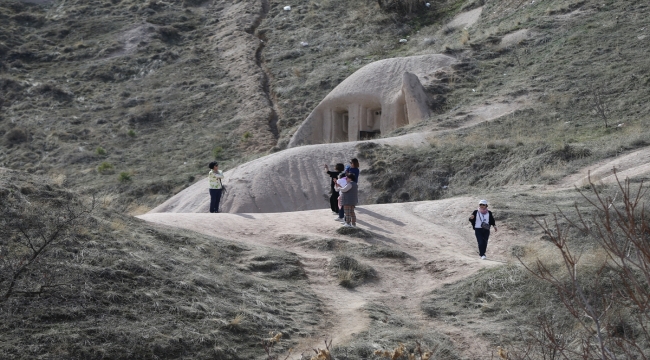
(435, 234)
(633, 165)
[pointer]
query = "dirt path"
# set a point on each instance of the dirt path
(435, 234)
(633, 165)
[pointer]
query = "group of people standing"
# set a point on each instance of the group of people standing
(345, 197)
(344, 191)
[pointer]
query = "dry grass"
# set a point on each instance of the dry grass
(133, 279)
(135, 210)
(350, 272)
(464, 37)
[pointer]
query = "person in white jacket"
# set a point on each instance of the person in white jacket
(216, 187)
(350, 194)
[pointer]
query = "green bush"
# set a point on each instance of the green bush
(100, 151)
(105, 168)
(124, 176)
(131, 133)
(217, 152)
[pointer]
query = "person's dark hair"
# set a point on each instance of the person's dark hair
(351, 177)
(355, 162)
(213, 164)
(339, 167)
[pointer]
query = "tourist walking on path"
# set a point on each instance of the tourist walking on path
(482, 220)
(350, 194)
(216, 187)
(334, 195)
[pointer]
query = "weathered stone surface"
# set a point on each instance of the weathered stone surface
(376, 99)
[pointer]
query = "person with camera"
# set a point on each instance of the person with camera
(334, 194)
(482, 220)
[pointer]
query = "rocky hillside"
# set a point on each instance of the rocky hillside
(134, 97)
(110, 107)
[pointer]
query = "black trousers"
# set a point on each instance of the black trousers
(482, 236)
(334, 201)
(215, 198)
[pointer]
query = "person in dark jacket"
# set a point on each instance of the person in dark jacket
(334, 195)
(353, 168)
(482, 220)
(350, 193)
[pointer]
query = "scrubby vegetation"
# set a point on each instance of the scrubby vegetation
(571, 52)
(100, 95)
(580, 292)
(82, 281)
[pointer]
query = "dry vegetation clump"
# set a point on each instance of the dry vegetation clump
(401, 352)
(578, 290)
(41, 231)
(403, 6)
(354, 232)
(488, 157)
(383, 252)
(278, 266)
(388, 329)
(606, 294)
(16, 136)
(350, 272)
(107, 285)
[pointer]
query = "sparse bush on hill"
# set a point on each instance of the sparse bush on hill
(405, 6)
(16, 136)
(40, 238)
(111, 286)
(54, 91)
(583, 290)
(105, 168)
(217, 151)
(125, 176)
(607, 297)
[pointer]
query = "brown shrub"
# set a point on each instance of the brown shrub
(16, 136)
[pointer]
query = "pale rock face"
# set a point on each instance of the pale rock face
(377, 99)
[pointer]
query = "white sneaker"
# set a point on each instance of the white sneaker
(483, 257)
(346, 225)
(353, 225)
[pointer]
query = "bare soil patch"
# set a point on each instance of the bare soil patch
(635, 165)
(435, 236)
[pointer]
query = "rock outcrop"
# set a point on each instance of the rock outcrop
(377, 99)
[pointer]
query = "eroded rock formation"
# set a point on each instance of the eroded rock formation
(378, 98)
